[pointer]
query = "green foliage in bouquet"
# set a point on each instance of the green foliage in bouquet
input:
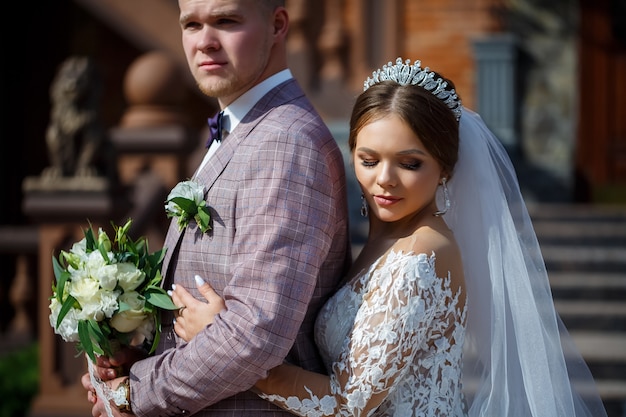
(107, 293)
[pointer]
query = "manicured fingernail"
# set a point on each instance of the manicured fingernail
(199, 280)
(174, 286)
(174, 321)
(169, 292)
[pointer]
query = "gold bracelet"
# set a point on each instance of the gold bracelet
(124, 406)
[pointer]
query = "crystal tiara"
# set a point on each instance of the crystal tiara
(406, 74)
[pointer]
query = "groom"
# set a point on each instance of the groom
(278, 243)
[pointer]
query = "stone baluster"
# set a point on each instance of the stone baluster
(332, 42)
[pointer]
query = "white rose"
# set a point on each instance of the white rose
(106, 275)
(174, 209)
(91, 311)
(128, 276)
(80, 248)
(95, 261)
(128, 320)
(77, 256)
(68, 329)
(78, 274)
(84, 290)
(108, 302)
(102, 304)
(145, 331)
(133, 299)
(187, 189)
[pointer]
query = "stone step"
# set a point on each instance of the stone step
(601, 346)
(607, 286)
(577, 212)
(600, 315)
(612, 390)
(604, 353)
(583, 233)
(584, 249)
(577, 258)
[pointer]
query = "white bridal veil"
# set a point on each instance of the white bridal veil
(519, 361)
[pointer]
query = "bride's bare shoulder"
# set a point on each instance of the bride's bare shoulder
(437, 241)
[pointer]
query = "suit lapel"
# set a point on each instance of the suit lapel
(285, 92)
(281, 94)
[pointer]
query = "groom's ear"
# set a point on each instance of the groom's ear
(281, 22)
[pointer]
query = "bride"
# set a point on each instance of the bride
(447, 310)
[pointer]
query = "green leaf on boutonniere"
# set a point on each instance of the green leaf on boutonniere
(186, 202)
(203, 218)
(188, 206)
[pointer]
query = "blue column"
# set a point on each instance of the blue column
(496, 59)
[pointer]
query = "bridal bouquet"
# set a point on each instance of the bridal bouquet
(107, 293)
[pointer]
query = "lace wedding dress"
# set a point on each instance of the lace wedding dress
(393, 337)
(392, 342)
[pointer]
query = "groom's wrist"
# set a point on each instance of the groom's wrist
(122, 397)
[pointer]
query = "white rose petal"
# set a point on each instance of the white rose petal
(128, 276)
(84, 290)
(188, 189)
(68, 329)
(134, 300)
(95, 260)
(109, 302)
(128, 320)
(92, 311)
(106, 275)
(80, 248)
(78, 274)
(174, 209)
(146, 329)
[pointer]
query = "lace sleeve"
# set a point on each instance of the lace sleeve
(395, 324)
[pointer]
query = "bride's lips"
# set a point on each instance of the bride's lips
(383, 200)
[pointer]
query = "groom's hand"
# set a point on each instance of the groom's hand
(119, 364)
(99, 408)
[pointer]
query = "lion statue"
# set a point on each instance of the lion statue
(73, 136)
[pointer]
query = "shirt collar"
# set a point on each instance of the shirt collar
(237, 110)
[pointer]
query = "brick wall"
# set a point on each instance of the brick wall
(440, 34)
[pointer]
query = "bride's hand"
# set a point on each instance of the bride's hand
(196, 314)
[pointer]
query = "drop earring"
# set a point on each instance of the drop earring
(364, 208)
(446, 199)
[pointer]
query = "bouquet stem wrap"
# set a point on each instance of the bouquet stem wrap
(103, 391)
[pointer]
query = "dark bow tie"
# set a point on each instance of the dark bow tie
(215, 124)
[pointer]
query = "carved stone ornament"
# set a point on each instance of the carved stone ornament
(74, 136)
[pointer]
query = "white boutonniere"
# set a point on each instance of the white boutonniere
(186, 202)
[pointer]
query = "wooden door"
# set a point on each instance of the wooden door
(601, 148)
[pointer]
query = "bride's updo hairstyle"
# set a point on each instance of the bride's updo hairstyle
(432, 120)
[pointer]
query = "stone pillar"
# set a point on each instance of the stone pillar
(155, 145)
(154, 134)
(62, 210)
(496, 59)
(151, 145)
(78, 188)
